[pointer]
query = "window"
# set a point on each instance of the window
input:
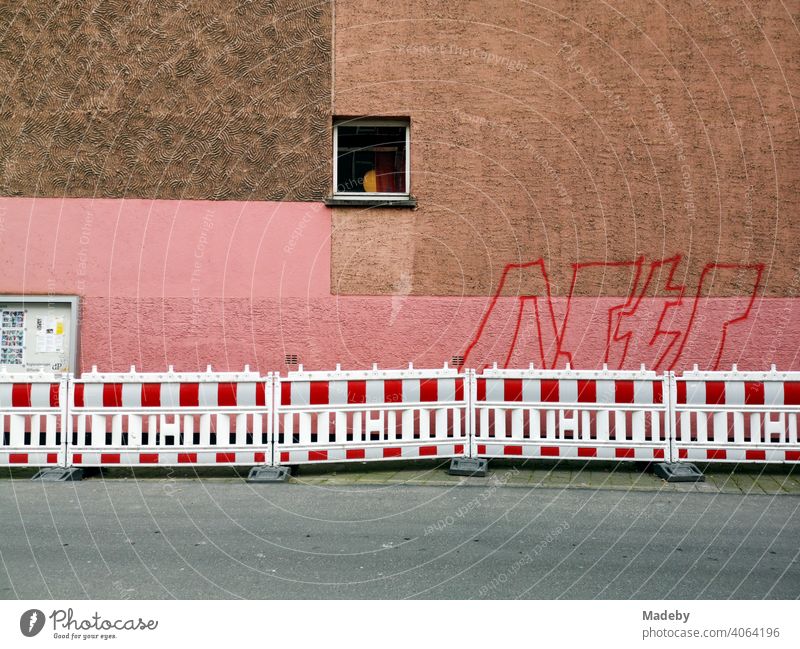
(371, 159)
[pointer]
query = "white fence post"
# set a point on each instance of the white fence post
(273, 383)
(471, 386)
(66, 421)
(670, 395)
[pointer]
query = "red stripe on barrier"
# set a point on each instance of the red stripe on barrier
(428, 390)
(458, 448)
(77, 458)
(318, 393)
(550, 451)
(54, 398)
(481, 449)
(356, 392)
(190, 394)
(716, 454)
(683, 453)
(393, 391)
(112, 395)
(459, 389)
(259, 457)
(151, 395)
(512, 390)
(681, 391)
(623, 391)
(21, 395)
(427, 450)
(587, 452)
(658, 453)
(148, 458)
(317, 456)
(587, 391)
(52, 458)
(17, 458)
(228, 458)
(625, 452)
(187, 458)
(392, 452)
(512, 450)
(755, 455)
(549, 390)
(109, 458)
(78, 399)
(284, 456)
(355, 453)
(658, 392)
(715, 393)
(791, 393)
(227, 394)
(286, 393)
(481, 396)
(261, 394)
(793, 456)
(754, 393)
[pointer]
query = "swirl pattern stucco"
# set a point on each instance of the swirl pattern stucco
(199, 100)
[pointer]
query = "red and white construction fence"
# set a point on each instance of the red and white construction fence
(736, 416)
(607, 415)
(220, 418)
(371, 415)
(244, 418)
(32, 418)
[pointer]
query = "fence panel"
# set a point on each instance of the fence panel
(570, 414)
(167, 419)
(345, 416)
(105, 419)
(32, 412)
(737, 416)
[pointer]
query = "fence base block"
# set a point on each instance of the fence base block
(679, 472)
(59, 474)
(269, 474)
(477, 467)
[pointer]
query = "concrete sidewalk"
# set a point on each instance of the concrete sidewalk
(625, 476)
(576, 475)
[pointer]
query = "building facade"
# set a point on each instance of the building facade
(556, 183)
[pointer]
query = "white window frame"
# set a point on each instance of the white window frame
(370, 196)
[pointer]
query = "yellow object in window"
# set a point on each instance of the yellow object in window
(370, 181)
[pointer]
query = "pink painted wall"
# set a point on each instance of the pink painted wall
(356, 331)
(191, 283)
(111, 248)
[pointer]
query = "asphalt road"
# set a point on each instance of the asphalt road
(126, 539)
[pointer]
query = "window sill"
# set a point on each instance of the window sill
(382, 201)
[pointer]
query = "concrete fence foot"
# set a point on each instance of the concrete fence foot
(269, 474)
(471, 466)
(59, 474)
(679, 472)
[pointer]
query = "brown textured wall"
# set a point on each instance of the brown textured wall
(577, 132)
(223, 99)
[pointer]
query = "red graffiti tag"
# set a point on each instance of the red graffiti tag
(655, 319)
